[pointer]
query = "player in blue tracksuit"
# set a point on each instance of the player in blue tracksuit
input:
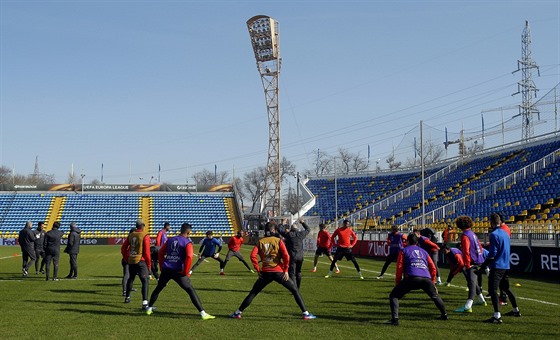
(208, 249)
(498, 262)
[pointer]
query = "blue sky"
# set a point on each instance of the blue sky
(137, 84)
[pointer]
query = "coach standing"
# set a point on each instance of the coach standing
(52, 250)
(294, 243)
(39, 245)
(26, 241)
(72, 249)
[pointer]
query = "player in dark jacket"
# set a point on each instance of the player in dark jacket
(40, 247)
(294, 244)
(26, 241)
(52, 250)
(72, 249)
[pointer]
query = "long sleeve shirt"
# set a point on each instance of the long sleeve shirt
(471, 248)
(499, 250)
(427, 245)
(208, 247)
(346, 237)
(294, 239)
(323, 239)
(235, 242)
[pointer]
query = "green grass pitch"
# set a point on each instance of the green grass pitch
(347, 308)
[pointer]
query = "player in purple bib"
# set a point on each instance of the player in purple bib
(473, 256)
(419, 273)
(396, 242)
(175, 258)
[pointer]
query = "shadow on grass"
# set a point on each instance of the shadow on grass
(86, 303)
(229, 290)
(346, 318)
(108, 284)
(77, 291)
(106, 277)
(139, 313)
(19, 277)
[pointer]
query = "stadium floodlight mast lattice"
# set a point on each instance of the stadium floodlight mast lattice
(264, 34)
(527, 86)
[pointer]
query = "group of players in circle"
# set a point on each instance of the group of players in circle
(280, 253)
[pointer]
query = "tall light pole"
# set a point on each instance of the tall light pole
(264, 34)
(297, 194)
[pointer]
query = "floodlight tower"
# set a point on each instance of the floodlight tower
(265, 40)
(527, 86)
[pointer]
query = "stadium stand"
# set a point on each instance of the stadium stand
(104, 215)
(522, 183)
(535, 199)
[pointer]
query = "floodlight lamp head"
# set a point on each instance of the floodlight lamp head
(264, 37)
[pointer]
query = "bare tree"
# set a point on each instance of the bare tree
(40, 178)
(393, 164)
(291, 203)
(287, 168)
(474, 148)
(253, 185)
(348, 162)
(72, 178)
(205, 177)
(237, 184)
(358, 163)
(432, 153)
(344, 160)
(322, 164)
(5, 175)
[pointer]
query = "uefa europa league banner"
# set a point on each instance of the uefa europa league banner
(118, 187)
